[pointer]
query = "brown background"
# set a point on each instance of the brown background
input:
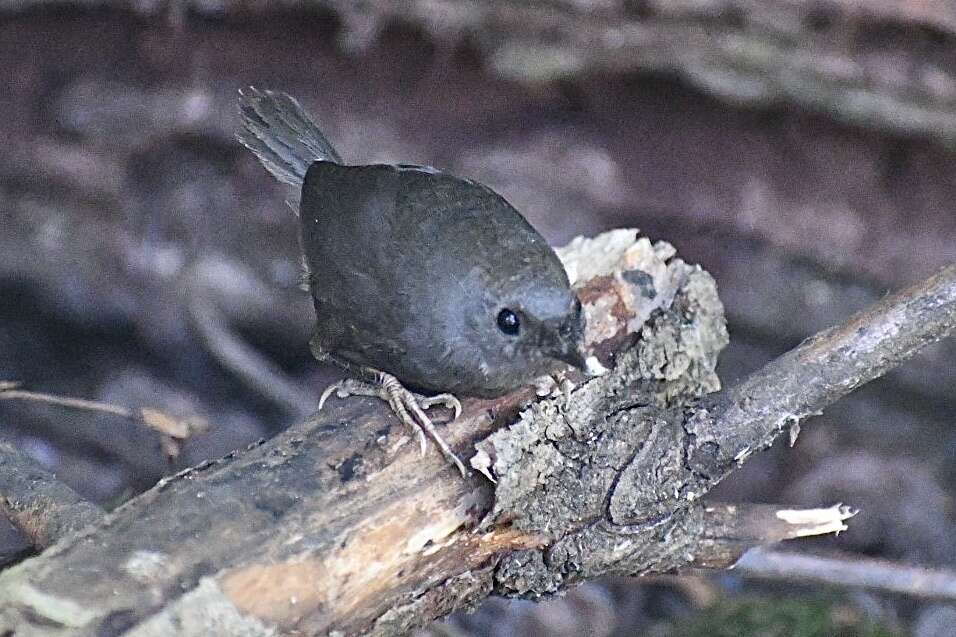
(119, 176)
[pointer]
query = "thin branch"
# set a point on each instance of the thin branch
(882, 575)
(40, 506)
(172, 431)
(732, 530)
(819, 372)
(9, 390)
(155, 419)
(204, 282)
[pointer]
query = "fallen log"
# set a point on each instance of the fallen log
(340, 526)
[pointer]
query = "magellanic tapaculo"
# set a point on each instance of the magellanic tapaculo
(419, 278)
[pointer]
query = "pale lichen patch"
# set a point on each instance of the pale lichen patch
(147, 566)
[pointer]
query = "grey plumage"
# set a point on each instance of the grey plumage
(434, 279)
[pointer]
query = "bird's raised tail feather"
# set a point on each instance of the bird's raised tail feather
(281, 134)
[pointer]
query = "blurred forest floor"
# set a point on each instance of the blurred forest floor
(121, 185)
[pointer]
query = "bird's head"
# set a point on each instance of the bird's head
(526, 325)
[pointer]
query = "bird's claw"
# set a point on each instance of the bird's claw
(410, 408)
(334, 388)
(449, 401)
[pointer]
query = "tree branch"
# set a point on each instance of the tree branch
(855, 571)
(207, 282)
(172, 430)
(340, 525)
(732, 530)
(40, 506)
(819, 372)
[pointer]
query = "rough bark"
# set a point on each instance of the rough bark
(340, 526)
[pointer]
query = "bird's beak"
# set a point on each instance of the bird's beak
(571, 354)
(569, 342)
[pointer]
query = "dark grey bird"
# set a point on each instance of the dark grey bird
(420, 279)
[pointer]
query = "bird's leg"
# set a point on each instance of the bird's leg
(371, 385)
(403, 400)
(354, 387)
(410, 408)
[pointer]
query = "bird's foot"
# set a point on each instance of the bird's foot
(409, 407)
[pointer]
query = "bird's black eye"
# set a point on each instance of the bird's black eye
(508, 322)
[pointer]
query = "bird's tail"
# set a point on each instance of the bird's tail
(281, 134)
